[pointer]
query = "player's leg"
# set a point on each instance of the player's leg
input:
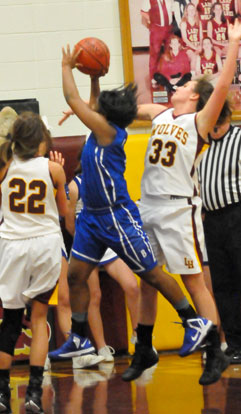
(10, 330)
(79, 295)
(145, 356)
(120, 272)
(38, 353)
(154, 276)
(12, 266)
(86, 253)
(94, 317)
(63, 309)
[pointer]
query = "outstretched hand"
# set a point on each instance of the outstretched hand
(234, 31)
(57, 157)
(70, 58)
(66, 115)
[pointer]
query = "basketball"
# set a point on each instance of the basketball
(94, 57)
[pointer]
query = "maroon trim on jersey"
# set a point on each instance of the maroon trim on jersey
(201, 140)
(197, 245)
(177, 116)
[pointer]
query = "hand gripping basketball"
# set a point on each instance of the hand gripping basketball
(94, 56)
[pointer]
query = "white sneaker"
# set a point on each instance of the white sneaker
(85, 361)
(47, 365)
(107, 352)
(87, 378)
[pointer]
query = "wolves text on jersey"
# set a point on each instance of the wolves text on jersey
(174, 131)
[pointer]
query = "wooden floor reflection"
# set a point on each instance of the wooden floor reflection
(171, 387)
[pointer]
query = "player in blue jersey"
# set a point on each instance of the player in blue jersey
(111, 219)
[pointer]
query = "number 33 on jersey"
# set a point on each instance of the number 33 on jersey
(172, 153)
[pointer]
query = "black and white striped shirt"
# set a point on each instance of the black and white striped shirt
(220, 171)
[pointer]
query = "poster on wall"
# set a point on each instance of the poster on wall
(168, 42)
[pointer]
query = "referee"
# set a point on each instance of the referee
(220, 186)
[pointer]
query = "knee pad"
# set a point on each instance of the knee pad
(10, 329)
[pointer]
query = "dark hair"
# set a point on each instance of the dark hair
(5, 151)
(28, 132)
(226, 112)
(119, 105)
(204, 88)
(202, 51)
(223, 18)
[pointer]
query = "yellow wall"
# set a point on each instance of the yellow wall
(167, 335)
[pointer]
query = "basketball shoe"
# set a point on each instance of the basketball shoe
(74, 346)
(144, 357)
(5, 396)
(107, 352)
(216, 363)
(33, 403)
(195, 332)
(85, 361)
(5, 401)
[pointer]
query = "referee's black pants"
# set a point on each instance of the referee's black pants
(222, 230)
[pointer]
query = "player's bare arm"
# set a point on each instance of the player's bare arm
(66, 115)
(147, 112)
(70, 216)
(59, 180)
(56, 156)
(208, 116)
(103, 131)
(94, 92)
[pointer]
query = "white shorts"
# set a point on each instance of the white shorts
(175, 231)
(205, 255)
(28, 268)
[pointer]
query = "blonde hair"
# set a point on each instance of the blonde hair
(7, 118)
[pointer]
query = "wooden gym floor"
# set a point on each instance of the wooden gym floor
(171, 387)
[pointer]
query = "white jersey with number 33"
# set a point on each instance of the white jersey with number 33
(174, 150)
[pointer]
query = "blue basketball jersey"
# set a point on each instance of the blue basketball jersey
(103, 182)
(109, 217)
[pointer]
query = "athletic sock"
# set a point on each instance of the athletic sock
(213, 338)
(144, 334)
(80, 324)
(4, 379)
(185, 310)
(36, 377)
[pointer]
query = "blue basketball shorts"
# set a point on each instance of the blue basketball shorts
(119, 228)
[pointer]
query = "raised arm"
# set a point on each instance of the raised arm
(94, 92)
(70, 216)
(208, 116)
(104, 132)
(59, 180)
(147, 112)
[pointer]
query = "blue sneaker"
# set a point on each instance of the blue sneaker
(195, 332)
(74, 346)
